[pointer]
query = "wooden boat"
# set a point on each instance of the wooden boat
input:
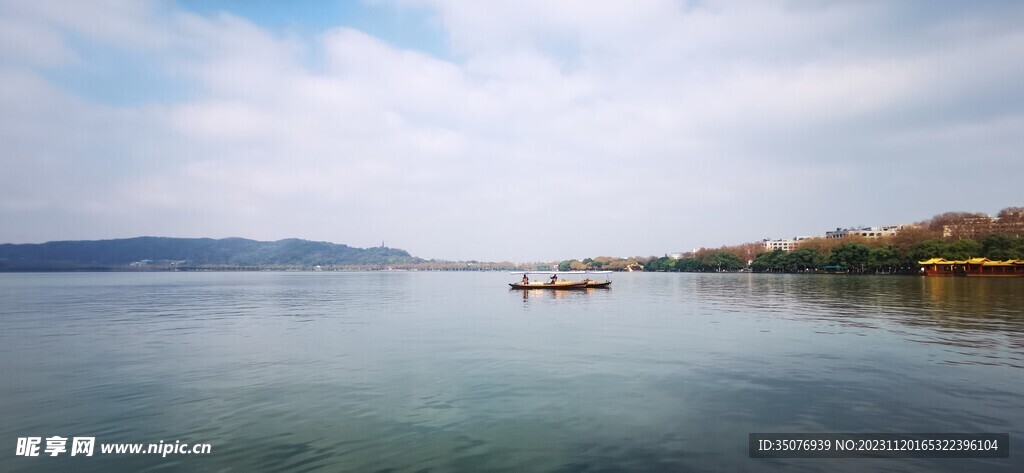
(585, 283)
(973, 267)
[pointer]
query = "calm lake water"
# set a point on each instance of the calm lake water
(454, 372)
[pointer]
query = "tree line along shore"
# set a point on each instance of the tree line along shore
(951, 235)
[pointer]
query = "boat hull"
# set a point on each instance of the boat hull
(562, 285)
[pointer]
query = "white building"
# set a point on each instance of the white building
(866, 232)
(785, 245)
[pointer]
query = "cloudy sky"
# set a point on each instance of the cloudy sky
(528, 130)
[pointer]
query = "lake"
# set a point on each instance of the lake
(408, 371)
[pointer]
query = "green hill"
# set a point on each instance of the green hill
(189, 252)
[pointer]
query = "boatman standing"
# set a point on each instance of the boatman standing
(526, 280)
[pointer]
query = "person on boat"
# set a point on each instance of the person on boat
(526, 280)
(554, 278)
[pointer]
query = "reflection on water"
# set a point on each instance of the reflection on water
(982, 315)
(575, 295)
(454, 372)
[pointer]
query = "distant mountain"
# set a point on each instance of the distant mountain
(189, 252)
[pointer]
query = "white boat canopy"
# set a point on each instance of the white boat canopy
(560, 272)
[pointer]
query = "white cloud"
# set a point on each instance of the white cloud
(629, 128)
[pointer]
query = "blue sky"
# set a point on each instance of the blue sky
(497, 131)
(405, 27)
(113, 74)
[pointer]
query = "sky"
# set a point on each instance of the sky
(504, 131)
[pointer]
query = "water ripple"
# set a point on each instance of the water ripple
(454, 372)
